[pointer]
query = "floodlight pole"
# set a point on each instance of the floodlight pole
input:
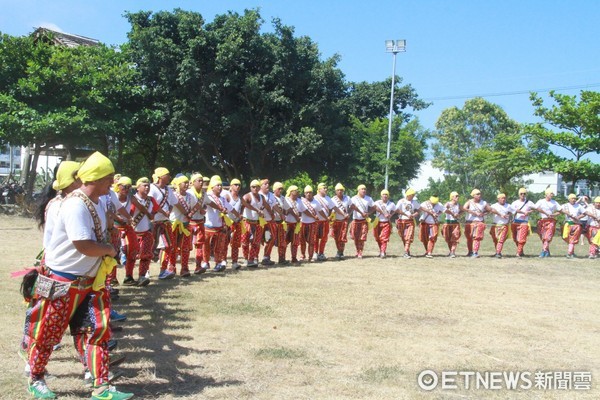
(394, 48)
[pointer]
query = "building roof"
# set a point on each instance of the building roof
(62, 38)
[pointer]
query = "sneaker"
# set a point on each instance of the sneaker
(39, 390)
(498, 255)
(315, 257)
(295, 261)
(592, 257)
(129, 281)
(166, 274)
(406, 255)
(338, 255)
(185, 274)
(111, 393)
(219, 268)
(428, 255)
(57, 347)
(144, 281)
(452, 255)
(115, 328)
(475, 255)
(252, 264)
(266, 261)
(381, 255)
(359, 255)
(236, 266)
(283, 262)
(469, 254)
(115, 316)
(321, 257)
(199, 270)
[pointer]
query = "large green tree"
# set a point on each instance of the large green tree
(574, 127)
(482, 146)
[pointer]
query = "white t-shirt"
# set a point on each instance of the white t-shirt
(197, 215)
(74, 223)
(362, 204)
(388, 207)
(326, 204)
(343, 205)
(52, 210)
(268, 198)
(177, 214)
(256, 203)
(521, 207)
(596, 213)
(407, 207)
(307, 219)
(158, 195)
(213, 215)
(476, 207)
(296, 206)
(505, 209)
(144, 223)
(454, 208)
(284, 205)
(572, 210)
(549, 207)
(427, 218)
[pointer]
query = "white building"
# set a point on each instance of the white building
(10, 160)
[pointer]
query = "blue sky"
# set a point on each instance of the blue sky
(455, 49)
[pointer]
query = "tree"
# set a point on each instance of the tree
(578, 122)
(483, 147)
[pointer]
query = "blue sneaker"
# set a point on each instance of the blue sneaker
(115, 316)
(166, 274)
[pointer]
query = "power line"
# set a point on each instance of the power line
(590, 85)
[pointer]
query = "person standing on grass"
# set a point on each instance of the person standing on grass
(520, 227)
(362, 205)
(500, 228)
(78, 259)
(142, 216)
(163, 234)
(217, 208)
(280, 210)
(547, 224)
(593, 212)
(129, 242)
(429, 223)
(270, 232)
(384, 209)
(310, 211)
(573, 211)
(254, 207)
(197, 220)
(339, 225)
(180, 221)
(235, 230)
(293, 221)
(407, 209)
(322, 224)
(451, 228)
(475, 208)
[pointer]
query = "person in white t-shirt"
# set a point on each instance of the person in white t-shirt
(475, 210)
(593, 212)
(235, 200)
(546, 225)
(384, 209)
(520, 226)
(322, 230)
(270, 231)
(141, 223)
(280, 210)
(253, 211)
(76, 268)
(362, 205)
(499, 231)
(407, 210)
(197, 220)
(451, 228)
(293, 221)
(161, 227)
(339, 228)
(310, 211)
(429, 223)
(217, 208)
(180, 218)
(573, 211)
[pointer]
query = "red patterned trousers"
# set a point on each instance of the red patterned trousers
(321, 236)
(277, 239)
(520, 232)
(47, 320)
(339, 231)
(292, 239)
(358, 233)
(129, 245)
(474, 232)
(499, 233)
(428, 234)
(197, 229)
(573, 238)
(163, 242)
(216, 239)
(307, 239)
(591, 232)
(252, 239)
(182, 245)
(382, 233)
(236, 240)
(406, 231)
(145, 245)
(451, 233)
(546, 228)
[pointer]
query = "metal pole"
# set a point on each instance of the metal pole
(389, 143)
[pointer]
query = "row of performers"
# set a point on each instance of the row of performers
(167, 217)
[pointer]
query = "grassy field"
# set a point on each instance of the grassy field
(354, 329)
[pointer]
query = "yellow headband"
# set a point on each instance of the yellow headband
(142, 180)
(97, 166)
(277, 185)
(522, 190)
(361, 187)
(291, 189)
(475, 192)
(195, 177)
(434, 200)
(236, 181)
(339, 186)
(385, 191)
(453, 194)
(548, 191)
(572, 196)
(255, 182)
(409, 192)
(214, 181)
(501, 195)
(158, 172)
(597, 199)
(308, 188)
(321, 185)
(65, 174)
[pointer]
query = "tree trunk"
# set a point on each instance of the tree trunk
(32, 172)
(25, 165)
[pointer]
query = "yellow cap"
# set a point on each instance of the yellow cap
(548, 191)
(500, 196)
(385, 191)
(196, 177)
(291, 189)
(475, 192)
(322, 186)
(277, 185)
(65, 174)
(308, 189)
(453, 194)
(255, 182)
(434, 200)
(572, 196)
(97, 166)
(339, 186)
(214, 181)
(522, 190)
(124, 180)
(236, 181)
(409, 192)
(158, 172)
(597, 199)
(142, 180)
(361, 187)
